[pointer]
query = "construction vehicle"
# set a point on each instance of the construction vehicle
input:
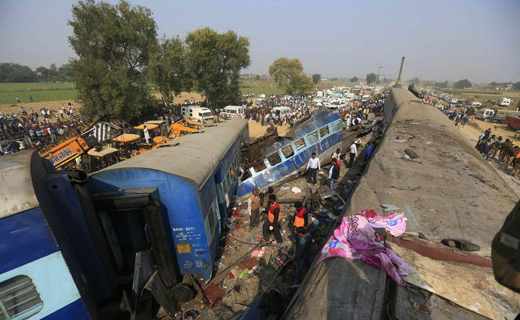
(129, 145)
(69, 150)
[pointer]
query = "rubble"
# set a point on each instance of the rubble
(249, 267)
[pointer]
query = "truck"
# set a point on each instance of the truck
(512, 123)
(196, 113)
(69, 150)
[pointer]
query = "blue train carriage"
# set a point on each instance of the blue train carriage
(322, 133)
(193, 182)
(35, 279)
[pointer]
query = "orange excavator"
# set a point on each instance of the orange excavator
(69, 150)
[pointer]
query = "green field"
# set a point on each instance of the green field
(268, 87)
(10, 87)
(7, 97)
(482, 95)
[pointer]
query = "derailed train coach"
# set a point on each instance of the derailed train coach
(119, 242)
(321, 133)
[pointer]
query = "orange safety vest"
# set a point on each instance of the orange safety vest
(299, 220)
(271, 214)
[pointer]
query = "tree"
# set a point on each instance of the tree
(12, 72)
(461, 84)
(288, 74)
(215, 61)
(416, 81)
(65, 72)
(316, 78)
(354, 79)
(441, 85)
(371, 78)
(43, 74)
(113, 44)
(516, 86)
(168, 69)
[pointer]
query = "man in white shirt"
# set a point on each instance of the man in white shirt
(353, 153)
(146, 134)
(312, 167)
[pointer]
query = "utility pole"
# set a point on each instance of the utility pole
(400, 72)
(377, 75)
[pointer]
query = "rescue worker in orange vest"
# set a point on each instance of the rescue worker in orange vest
(272, 224)
(301, 217)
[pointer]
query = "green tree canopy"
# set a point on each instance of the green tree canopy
(461, 84)
(288, 74)
(371, 78)
(114, 44)
(354, 79)
(316, 78)
(416, 81)
(168, 69)
(215, 61)
(12, 72)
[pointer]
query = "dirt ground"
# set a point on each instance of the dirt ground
(56, 105)
(257, 130)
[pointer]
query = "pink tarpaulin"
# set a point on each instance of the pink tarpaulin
(356, 238)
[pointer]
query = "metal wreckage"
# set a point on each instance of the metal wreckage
(272, 159)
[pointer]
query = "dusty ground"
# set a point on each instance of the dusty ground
(473, 133)
(257, 130)
(56, 105)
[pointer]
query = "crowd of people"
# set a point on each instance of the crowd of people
(34, 130)
(492, 147)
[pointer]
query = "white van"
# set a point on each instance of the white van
(233, 112)
(284, 111)
(505, 102)
(485, 114)
(196, 113)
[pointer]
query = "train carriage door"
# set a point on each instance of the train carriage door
(139, 237)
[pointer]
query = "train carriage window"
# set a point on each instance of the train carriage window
(19, 298)
(312, 138)
(337, 126)
(274, 159)
(299, 144)
(287, 151)
(324, 131)
(211, 216)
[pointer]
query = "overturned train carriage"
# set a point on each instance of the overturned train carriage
(322, 133)
(92, 246)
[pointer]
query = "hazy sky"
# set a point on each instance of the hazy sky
(441, 39)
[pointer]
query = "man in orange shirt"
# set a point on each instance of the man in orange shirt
(254, 204)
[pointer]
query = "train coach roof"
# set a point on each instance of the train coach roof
(194, 158)
(16, 188)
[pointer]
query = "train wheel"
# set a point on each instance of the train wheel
(183, 292)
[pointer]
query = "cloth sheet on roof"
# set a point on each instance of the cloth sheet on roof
(356, 238)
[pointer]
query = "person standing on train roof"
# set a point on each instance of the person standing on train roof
(254, 205)
(146, 134)
(272, 224)
(312, 167)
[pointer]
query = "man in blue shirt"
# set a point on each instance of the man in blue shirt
(368, 151)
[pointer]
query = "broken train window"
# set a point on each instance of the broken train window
(299, 144)
(312, 138)
(287, 151)
(324, 131)
(274, 159)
